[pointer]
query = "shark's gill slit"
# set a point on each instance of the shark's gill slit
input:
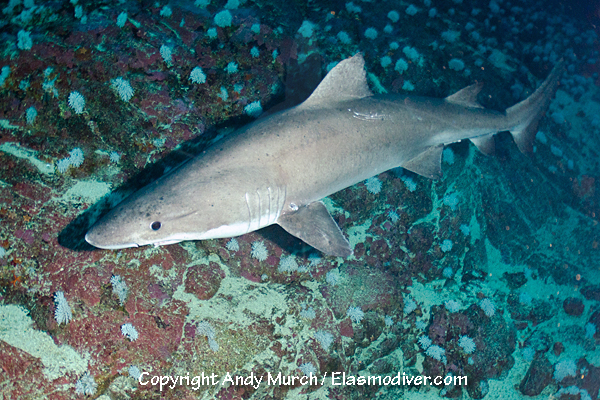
(269, 211)
(249, 212)
(259, 204)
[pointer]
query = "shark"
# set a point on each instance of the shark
(277, 169)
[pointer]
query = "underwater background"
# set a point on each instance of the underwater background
(492, 272)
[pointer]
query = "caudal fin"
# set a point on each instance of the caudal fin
(524, 116)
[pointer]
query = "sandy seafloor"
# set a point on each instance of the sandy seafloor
(491, 272)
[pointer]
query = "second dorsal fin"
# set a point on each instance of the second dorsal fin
(467, 97)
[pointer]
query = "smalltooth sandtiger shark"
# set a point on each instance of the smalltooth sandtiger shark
(278, 168)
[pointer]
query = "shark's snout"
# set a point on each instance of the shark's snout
(96, 239)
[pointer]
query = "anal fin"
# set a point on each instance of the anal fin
(427, 163)
(486, 144)
(314, 225)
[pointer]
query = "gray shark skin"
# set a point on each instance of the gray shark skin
(276, 169)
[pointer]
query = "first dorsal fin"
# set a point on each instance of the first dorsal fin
(345, 81)
(467, 97)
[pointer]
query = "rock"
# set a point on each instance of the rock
(515, 280)
(573, 306)
(558, 348)
(538, 376)
(591, 292)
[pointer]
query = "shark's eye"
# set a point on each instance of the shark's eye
(155, 225)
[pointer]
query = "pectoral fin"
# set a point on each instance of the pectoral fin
(314, 225)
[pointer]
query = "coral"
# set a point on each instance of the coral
(134, 372)
(452, 306)
(24, 41)
(123, 88)
(446, 245)
(325, 339)
(424, 342)
(203, 281)
(308, 369)
(129, 331)
(233, 245)
(197, 75)
(394, 16)
(590, 330)
(373, 185)
(467, 344)
(76, 102)
(114, 156)
(119, 288)
(488, 307)
(259, 251)
(4, 75)
(564, 369)
(371, 33)
(62, 311)
(253, 109)
(121, 19)
(231, 68)
(223, 19)
(166, 54)
(436, 352)
(63, 165)
(306, 29)
(411, 185)
(308, 313)
(76, 157)
(31, 115)
(355, 314)
(86, 385)
(205, 329)
(333, 277)
(287, 264)
(409, 306)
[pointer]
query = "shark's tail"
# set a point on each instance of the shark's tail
(523, 117)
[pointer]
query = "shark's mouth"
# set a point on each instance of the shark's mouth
(166, 242)
(90, 240)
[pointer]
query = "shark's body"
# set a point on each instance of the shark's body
(276, 169)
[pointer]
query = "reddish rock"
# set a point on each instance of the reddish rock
(359, 250)
(250, 277)
(14, 362)
(573, 306)
(346, 328)
(204, 280)
(420, 238)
